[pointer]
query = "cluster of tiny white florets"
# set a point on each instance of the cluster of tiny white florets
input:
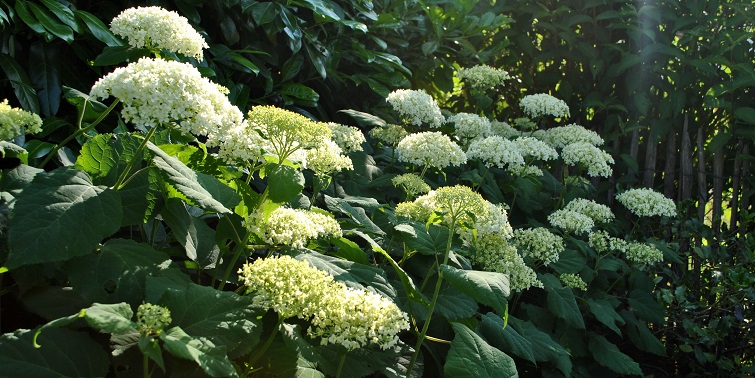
(328, 159)
(495, 151)
(155, 27)
(430, 148)
(390, 134)
(338, 314)
(585, 154)
(349, 138)
(494, 254)
(15, 122)
(526, 170)
(539, 244)
(458, 205)
(286, 131)
(152, 319)
(160, 92)
(562, 136)
(469, 126)
(295, 227)
(483, 76)
(646, 202)
(524, 123)
(573, 281)
(503, 129)
(416, 107)
(411, 184)
(489, 224)
(598, 212)
(602, 242)
(541, 104)
(643, 254)
(571, 221)
(535, 148)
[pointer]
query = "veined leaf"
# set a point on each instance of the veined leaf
(43, 72)
(489, 288)
(606, 314)
(211, 358)
(608, 355)
(505, 338)
(471, 356)
(561, 302)
(98, 29)
(111, 318)
(197, 238)
(284, 182)
(25, 93)
(430, 240)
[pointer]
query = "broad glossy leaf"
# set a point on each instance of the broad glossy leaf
(284, 182)
(488, 288)
(505, 338)
(606, 314)
(569, 261)
(645, 306)
(411, 289)
(43, 72)
(111, 318)
(150, 347)
(211, 358)
(543, 345)
(61, 215)
(63, 13)
(197, 238)
(358, 214)
(453, 304)
(350, 273)
(51, 24)
(365, 119)
(562, 304)
(98, 29)
(114, 55)
(431, 240)
(307, 356)
(349, 250)
(25, 93)
(471, 356)
(608, 355)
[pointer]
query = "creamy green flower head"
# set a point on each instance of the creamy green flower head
(597, 212)
(328, 159)
(539, 244)
(411, 184)
(541, 104)
(496, 255)
(416, 107)
(390, 134)
(152, 319)
(573, 281)
(535, 148)
(325, 223)
(15, 121)
(524, 123)
(603, 242)
(503, 129)
(562, 136)
(469, 126)
(643, 254)
(295, 228)
(526, 170)
(457, 204)
(571, 221)
(587, 155)
(431, 148)
(287, 131)
(349, 138)
(495, 151)
(157, 28)
(483, 76)
(646, 202)
(160, 92)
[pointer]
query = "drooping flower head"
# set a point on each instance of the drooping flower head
(646, 202)
(328, 159)
(483, 76)
(541, 104)
(495, 151)
(287, 131)
(349, 138)
(539, 244)
(430, 148)
(157, 28)
(15, 122)
(416, 107)
(597, 212)
(469, 126)
(390, 134)
(587, 155)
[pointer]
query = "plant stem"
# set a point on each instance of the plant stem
(242, 245)
(269, 341)
(124, 174)
(145, 367)
(340, 366)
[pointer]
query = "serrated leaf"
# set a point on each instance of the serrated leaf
(64, 353)
(454, 305)
(471, 356)
(284, 183)
(197, 238)
(543, 346)
(70, 214)
(18, 178)
(358, 214)
(606, 314)
(569, 261)
(608, 355)
(111, 318)
(488, 288)
(211, 358)
(562, 304)
(431, 240)
(223, 317)
(505, 338)
(105, 156)
(350, 273)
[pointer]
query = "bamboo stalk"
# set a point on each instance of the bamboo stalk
(669, 170)
(651, 152)
(687, 171)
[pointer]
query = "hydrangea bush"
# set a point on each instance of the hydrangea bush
(203, 240)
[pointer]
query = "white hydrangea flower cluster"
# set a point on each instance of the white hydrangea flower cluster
(562, 136)
(597, 212)
(431, 148)
(152, 319)
(327, 159)
(596, 160)
(338, 314)
(488, 226)
(241, 143)
(483, 76)
(571, 221)
(643, 254)
(470, 126)
(646, 202)
(286, 131)
(573, 281)
(155, 27)
(541, 104)
(416, 107)
(349, 138)
(160, 92)
(503, 129)
(411, 184)
(295, 227)
(535, 148)
(390, 134)
(495, 151)
(602, 242)
(496, 256)
(539, 244)
(16, 121)
(526, 170)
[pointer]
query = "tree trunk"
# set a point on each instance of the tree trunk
(669, 170)
(651, 150)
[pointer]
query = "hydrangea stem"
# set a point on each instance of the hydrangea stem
(124, 174)
(265, 346)
(340, 365)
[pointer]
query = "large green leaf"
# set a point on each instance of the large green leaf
(569, 261)
(18, 178)
(350, 273)
(307, 357)
(471, 356)
(61, 215)
(105, 156)
(63, 353)
(197, 238)
(50, 23)
(204, 190)
(411, 289)
(452, 304)
(211, 358)
(111, 318)
(358, 214)
(63, 13)
(431, 240)
(608, 355)
(25, 93)
(98, 29)
(505, 338)
(44, 75)
(117, 273)
(488, 288)
(562, 304)
(646, 306)
(284, 183)
(223, 317)
(605, 313)
(543, 345)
